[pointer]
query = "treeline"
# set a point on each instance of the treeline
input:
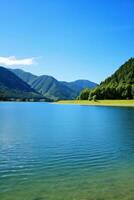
(25, 99)
(119, 86)
(119, 92)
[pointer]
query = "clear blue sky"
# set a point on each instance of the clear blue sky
(70, 39)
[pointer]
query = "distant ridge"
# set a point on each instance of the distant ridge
(51, 88)
(79, 85)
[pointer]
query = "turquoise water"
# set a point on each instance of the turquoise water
(66, 152)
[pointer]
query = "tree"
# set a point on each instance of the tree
(84, 94)
(94, 98)
(132, 91)
(90, 96)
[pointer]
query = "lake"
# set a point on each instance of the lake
(66, 152)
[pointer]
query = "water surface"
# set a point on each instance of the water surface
(66, 152)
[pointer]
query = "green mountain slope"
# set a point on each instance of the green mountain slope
(52, 88)
(11, 86)
(25, 76)
(118, 86)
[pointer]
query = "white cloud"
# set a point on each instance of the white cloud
(12, 60)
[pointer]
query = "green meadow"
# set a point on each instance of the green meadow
(100, 102)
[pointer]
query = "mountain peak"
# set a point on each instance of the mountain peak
(51, 87)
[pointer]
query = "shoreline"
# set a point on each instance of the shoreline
(115, 103)
(110, 103)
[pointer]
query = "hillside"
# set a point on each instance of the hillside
(118, 86)
(12, 87)
(52, 88)
(25, 76)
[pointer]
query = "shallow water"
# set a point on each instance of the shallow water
(66, 152)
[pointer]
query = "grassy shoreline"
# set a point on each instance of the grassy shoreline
(124, 103)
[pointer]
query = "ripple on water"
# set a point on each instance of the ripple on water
(87, 154)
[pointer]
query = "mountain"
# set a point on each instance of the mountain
(51, 88)
(79, 85)
(12, 87)
(118, 86)
(46, 85)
